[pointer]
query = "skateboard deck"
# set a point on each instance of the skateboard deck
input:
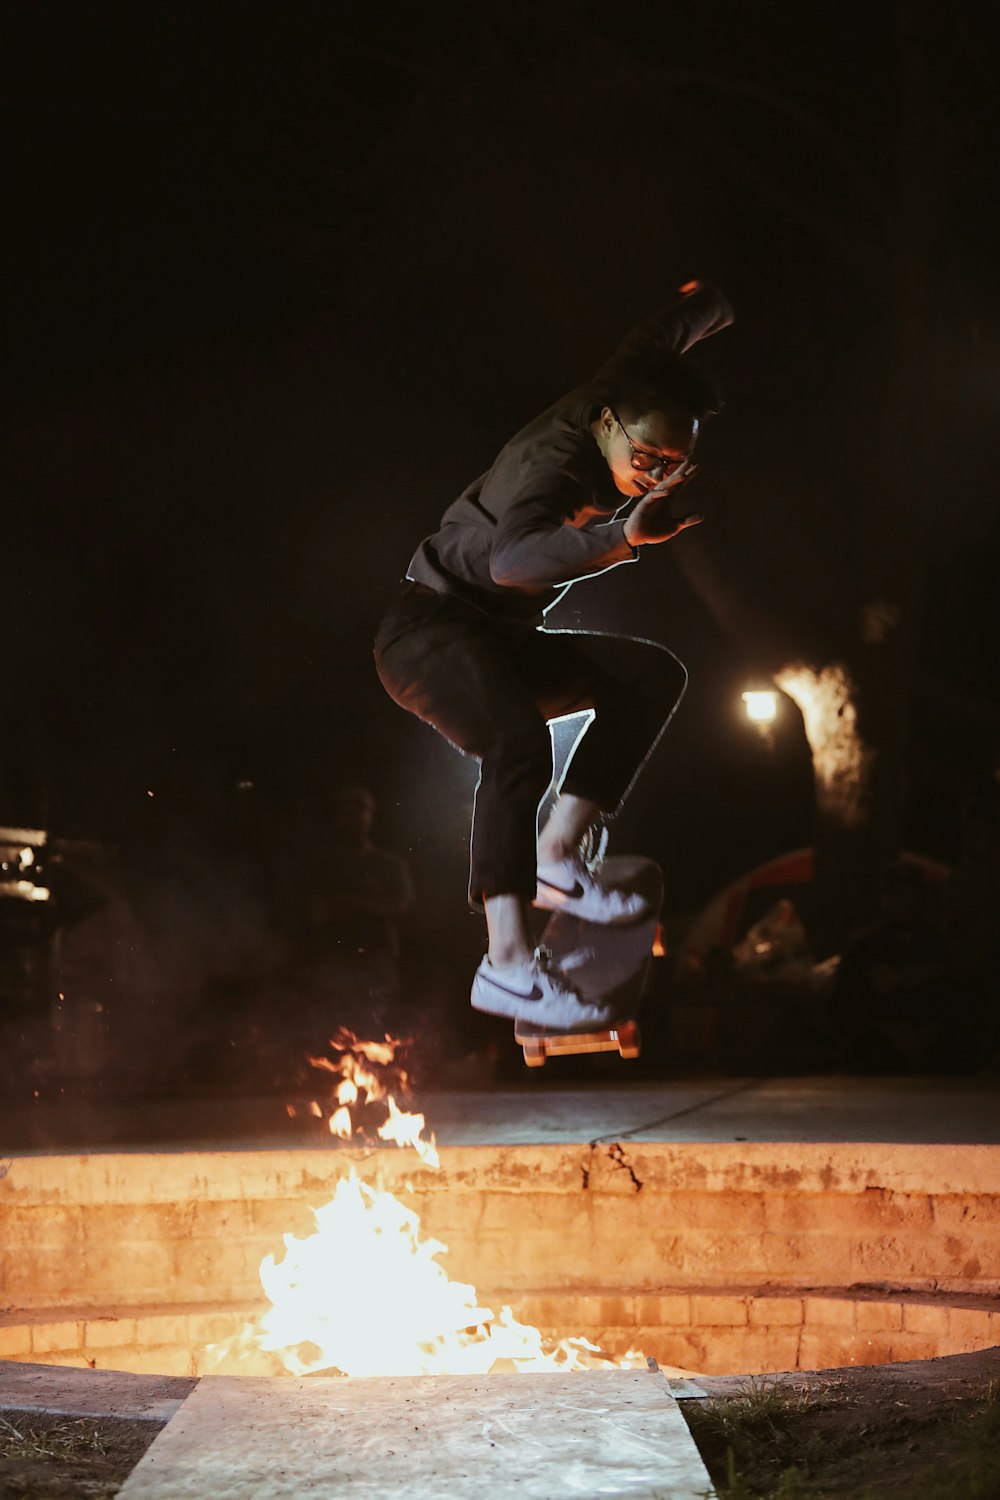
(607, 964)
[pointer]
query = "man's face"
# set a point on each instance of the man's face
(632, 444)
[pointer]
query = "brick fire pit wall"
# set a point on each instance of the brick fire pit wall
(713, 1257)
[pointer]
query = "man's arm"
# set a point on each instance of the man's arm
(537, 546)
(699, 311)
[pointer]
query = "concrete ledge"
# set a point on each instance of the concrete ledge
(69, 1180)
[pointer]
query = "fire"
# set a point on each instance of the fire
(408, 1130)
(365, 1294)
(366, 1069)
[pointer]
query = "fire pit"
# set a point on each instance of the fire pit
(712, 1258)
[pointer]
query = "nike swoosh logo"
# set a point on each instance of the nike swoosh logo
(536, 989)
(573, 895)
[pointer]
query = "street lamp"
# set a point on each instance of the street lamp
(762, 707)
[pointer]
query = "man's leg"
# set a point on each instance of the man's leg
(567, 824)
(633, 687)
(509, 941)
(441, 661)
(452, 669)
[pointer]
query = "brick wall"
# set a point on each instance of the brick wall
(194, 1226)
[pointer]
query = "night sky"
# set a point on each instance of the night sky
(281, 280)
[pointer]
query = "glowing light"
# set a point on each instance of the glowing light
(25, 890)
(762, 707)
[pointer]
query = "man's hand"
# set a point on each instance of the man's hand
(651, 521)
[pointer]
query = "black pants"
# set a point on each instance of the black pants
(491, 688)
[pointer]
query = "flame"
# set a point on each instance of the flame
(407, 1130)
(376, 1052)
(366, 1070)
(364, 1294)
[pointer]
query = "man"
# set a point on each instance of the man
(462, 646)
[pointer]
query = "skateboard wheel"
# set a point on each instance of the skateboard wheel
(534, 1054)
(629, 1040)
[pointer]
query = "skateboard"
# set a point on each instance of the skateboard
(609, 964)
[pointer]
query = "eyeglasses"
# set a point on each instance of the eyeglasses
(646, 461)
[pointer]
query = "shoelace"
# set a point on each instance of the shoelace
(593, 846)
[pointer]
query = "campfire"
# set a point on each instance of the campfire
(365, 1294)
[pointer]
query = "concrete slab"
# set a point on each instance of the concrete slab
(537, 1437)
(942, 1111)
(915, 1111)
(91, 1393)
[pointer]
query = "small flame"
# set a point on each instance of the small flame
(407, 1130)
(375, 1052)
(366, 1070)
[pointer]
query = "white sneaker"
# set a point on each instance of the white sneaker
(536, 992)
(568, 885)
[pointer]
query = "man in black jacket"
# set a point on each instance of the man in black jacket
(580, 490)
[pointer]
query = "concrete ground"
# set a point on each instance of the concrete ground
(543, 1110)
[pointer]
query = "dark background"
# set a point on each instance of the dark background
(282, 278)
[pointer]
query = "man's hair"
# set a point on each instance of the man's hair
(651, 378)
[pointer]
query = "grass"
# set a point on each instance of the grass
(774, 1442)
(974, 1472)
(68, 1440)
